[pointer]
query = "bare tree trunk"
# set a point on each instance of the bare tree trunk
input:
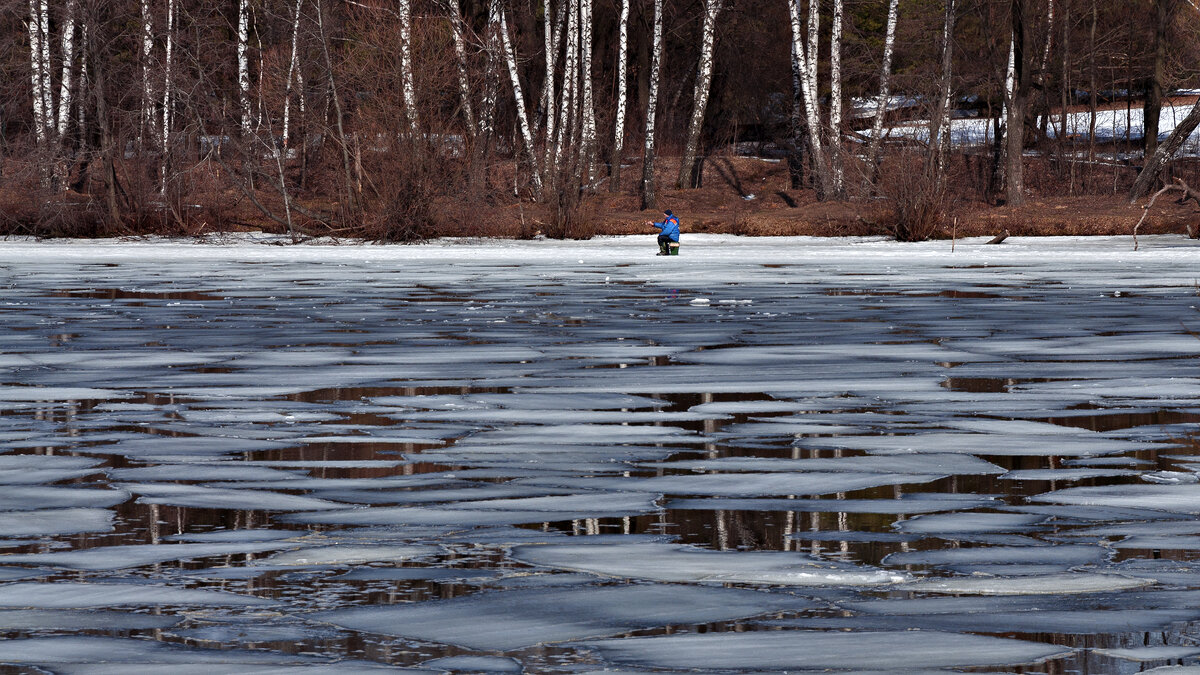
(648, 194)
(587, 147)
(39, 68)
(614, 166)
(99, 74)
(292, 76)
(1152, 108)
(243, 46)
(68, 66)
(148, 126)
(568, 125)
(939, 136)
(806, 55)
(835, 103)
(1019, 99)
(885, 75)
(460, 54)
(1093, 102)
(168, 86)
(351, 202)
(408, 80)
(552, 37)
(688, 173)
(522, 116)
(1166, 150)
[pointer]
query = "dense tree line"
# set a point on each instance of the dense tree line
(367, 116)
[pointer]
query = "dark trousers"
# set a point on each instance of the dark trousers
(664, 243)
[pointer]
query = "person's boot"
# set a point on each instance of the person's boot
(662, 249)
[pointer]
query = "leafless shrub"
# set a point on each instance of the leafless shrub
(918, 199)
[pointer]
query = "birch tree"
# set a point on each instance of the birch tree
(407, 78)
(293, 75)
(522, 116)
(148, 126)
(243, 65)
(567, 127)
(460, 63)
(805, 54)
(167, 102)
(39, 68)
(648, 196)
(835, 102)
(587, 113)
(885, 77)
(66, 89)
(688, 176)
(614, 166)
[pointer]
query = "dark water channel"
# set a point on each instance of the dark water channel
(477, 466)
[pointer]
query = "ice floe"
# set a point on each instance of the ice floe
(674, 563)
(785, 650)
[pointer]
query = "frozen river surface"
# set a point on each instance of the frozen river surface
(764, 455)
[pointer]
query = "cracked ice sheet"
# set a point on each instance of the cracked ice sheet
(790, 650)
(69, 595)
(48, 522)
(34, 469)
(1053, 584)
(953, 465)
(232, 471)
(68, 620)
(222, 498)
(907, 504)
(1044, 555)
(507, 620)
(117, 655)
(1079, 622)
(962, 522)
(137, 555)
(742, 484)
(1060, 445)
(675, 563)
(22, 498)
(1173, 498)
(491, 511)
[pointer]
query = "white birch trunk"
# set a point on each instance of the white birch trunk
(700, 96)
(168, 87)
(243, 46)
(491, 86)
(567, 123)
(835, 101)
(885, 78)
(460, 53)
(66, 89)
(149, 126)
(408, 81)
(648, 197)
(622, 94)
(553, 37)
(522, 116)
(36, 71)
(46, 65)
(292, 74)
(587, 146)
(806, 56)
(84, 84)
(1042, 70)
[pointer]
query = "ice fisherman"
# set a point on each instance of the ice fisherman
(669, 233)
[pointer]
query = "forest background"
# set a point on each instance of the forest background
(401, 120)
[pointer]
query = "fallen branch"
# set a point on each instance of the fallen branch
(999, 238)
(1179, 184)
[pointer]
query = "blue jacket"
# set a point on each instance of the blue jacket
(669, 227)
